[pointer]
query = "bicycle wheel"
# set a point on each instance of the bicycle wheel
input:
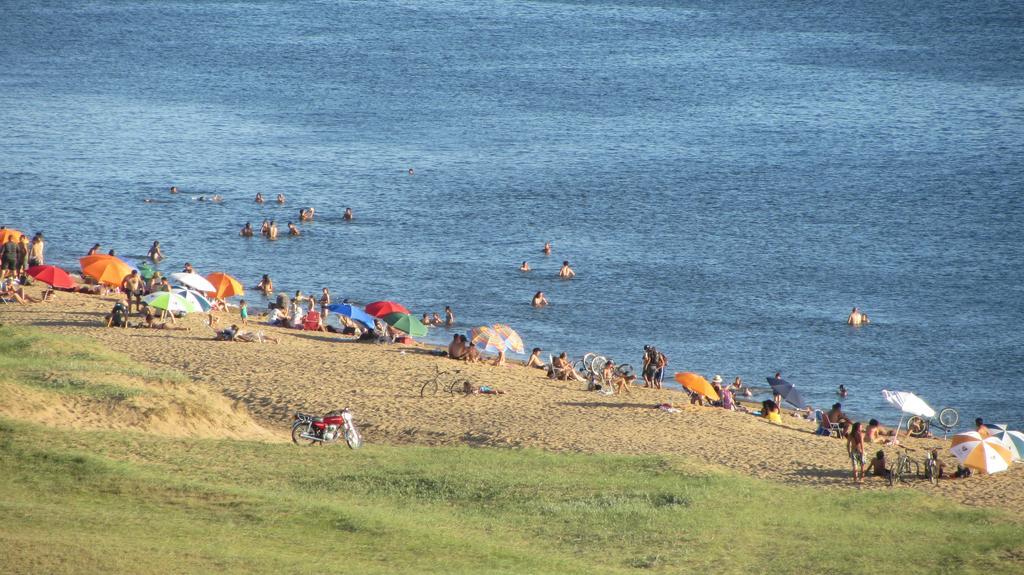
(597, 366)
(893, 476)
(917, 426)
(431, 385)
(949, 417)
(581, 368)
(932, 470)
(915, 468)
(587, 358)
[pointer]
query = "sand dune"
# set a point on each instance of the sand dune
(316, 372)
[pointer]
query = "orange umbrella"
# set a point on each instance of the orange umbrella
(986, 454)
(697, 384)
(226, 285)
(6, 234)
(105, 269)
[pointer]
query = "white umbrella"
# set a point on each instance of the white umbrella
(987, 455)
(194, 281)
(907, 403)
(194, 297)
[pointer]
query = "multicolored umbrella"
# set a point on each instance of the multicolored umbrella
(407, 323)
(512, 339)
(787, 391)
(987, 455)
(1012, 440)
(486, 338)
(194, 281)
(171, 302)
(9, 234)
(194, 297)
(225, 285)
(697, 384)
(383, 308)
(51, 275)
(105, 269)
(353, 312)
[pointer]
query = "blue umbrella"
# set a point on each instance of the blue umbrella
(787, 391)
(353, 312)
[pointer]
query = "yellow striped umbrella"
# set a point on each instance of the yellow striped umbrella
(486, 337)
(105, 269)
(986, 454)
(512, 339)
(226, 285)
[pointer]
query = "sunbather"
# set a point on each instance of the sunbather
(534, 359)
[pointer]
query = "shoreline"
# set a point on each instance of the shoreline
(317, 372)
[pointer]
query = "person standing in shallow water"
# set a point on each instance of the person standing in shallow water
(566, 272)
(547, 248)
(348, 215)
(154, 252)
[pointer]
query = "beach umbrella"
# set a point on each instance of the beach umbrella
(787, 391)
(907, 403)
(383, 308)
(487, 338)
(512, 339)
(9, 234)
(170, 301)
(224, 285)
(406, 323)
(194, 297)
(51, 275)
(1012, 440)
(697, 384)
(105, 269)
(987, 454)
(194, 281)
(353, 312)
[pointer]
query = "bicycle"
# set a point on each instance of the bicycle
(918, 426)
(932, 468)
(434, 384)
(903, 467)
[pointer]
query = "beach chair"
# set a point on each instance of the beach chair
(312, 321)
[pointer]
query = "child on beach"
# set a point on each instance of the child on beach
(877, 465)
(855, 449)
(243, 311)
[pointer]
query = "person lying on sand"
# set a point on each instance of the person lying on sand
(151, 323)
(9, 290)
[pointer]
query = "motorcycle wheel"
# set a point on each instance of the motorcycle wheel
(353, 438)
(297, 428)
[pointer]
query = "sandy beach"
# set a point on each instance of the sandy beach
(316, 372)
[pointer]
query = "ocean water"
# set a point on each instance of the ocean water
(727, 178)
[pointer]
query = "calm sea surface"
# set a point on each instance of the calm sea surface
(728, 178)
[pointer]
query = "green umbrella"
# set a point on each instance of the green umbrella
(171, 302)
(407, 323)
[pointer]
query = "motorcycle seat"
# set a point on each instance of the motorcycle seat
(318, 420)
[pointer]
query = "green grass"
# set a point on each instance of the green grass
(105, 502)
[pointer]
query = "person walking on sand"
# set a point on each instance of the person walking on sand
(132, 286)
(449, 317)
(566, 272)
(154, 252)
(855, 449)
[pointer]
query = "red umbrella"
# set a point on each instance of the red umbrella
(383, 308)
(52, 275)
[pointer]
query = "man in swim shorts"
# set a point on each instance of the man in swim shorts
(8, 258)
(132, 287)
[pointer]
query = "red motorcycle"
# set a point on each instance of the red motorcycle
(310, 430)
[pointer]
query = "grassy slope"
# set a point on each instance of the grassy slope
(76, 501)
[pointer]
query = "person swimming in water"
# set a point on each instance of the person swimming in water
(259, 198)
(292, 230)
(272, 231)
(94, 250)
(856, 318)
(154, 252)
(246, 230)
(525, 267)
(174, 189)
(547, 248)
(280, 198)
(266, 285)
(539, 300)
(348, 215)
(566, 272)
(842, 391)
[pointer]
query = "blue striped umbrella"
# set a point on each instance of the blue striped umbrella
(194, 297)
(353, 312)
